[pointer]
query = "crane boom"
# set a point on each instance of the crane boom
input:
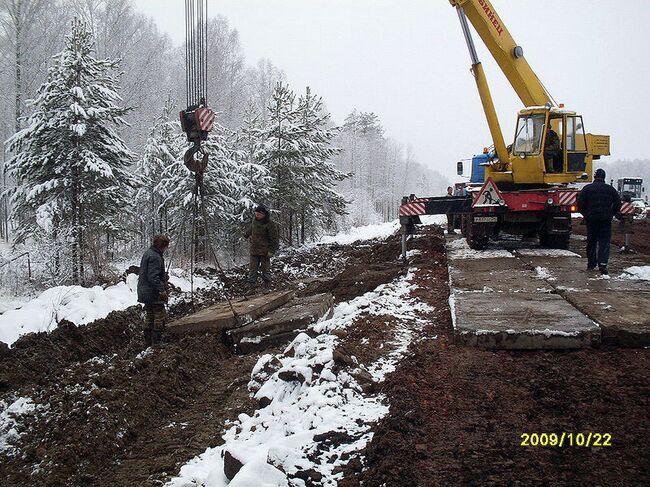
(508, 55)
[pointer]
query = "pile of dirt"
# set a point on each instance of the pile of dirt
(366, 267)
(35, 357)
(457, 414)
(639, 238)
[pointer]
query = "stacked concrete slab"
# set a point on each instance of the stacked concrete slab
(531, 298)
(619, 304)
(499, 302)
(282, 324)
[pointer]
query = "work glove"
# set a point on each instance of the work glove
(270, 254)
(163, 296)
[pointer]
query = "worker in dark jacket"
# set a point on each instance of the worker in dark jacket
(451, 219)
(152, 289)
(263, 244)
(599, 203)
(552, 150)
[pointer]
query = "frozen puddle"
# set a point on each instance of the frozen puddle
(304, 400)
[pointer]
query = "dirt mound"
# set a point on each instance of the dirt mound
(102, 413)
(639, 240)
(366, 267)
(34, 357)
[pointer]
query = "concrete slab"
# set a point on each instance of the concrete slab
(494, 275)
(219, 317)
(521, 321)
(624, 316)
(282, 324)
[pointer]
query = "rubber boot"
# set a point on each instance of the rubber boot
(251, 289)
(156, 338)
(147, 337)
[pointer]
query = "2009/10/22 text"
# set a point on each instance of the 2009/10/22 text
(560, 440)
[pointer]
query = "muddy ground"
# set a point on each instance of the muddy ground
(110, 415)
(457, 414)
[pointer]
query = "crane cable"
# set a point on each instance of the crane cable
(197, 120)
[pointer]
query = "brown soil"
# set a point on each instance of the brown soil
(457, 413)
(109, 417)
(640, 237)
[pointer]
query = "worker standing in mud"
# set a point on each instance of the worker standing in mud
(263, 244)
(599, 203)
(152, 289)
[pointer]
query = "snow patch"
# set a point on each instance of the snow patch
(10, 416)
(459, 249)
(280, 437)
(546, 253)
(641, 272)
(367, 232)
(79, 305)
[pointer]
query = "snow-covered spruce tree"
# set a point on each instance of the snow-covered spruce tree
(165, 144)
(320, 203)
(69, 157)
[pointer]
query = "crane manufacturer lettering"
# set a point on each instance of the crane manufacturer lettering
(491, 15)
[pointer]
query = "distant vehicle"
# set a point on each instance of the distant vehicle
(631, 188)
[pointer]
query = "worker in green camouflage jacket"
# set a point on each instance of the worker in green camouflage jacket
(263, 244)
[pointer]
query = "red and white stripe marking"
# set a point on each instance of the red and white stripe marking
(627, 208)
(205, 118)
(412, 208)
(566, 198)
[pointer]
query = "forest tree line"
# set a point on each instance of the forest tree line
(121, 178)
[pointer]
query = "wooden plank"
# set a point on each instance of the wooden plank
(219, 317)
(282, 324)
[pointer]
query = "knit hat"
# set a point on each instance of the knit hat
(600, 174)
(262, 209)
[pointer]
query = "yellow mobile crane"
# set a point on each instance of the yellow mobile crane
(526, 188)
(524, 163)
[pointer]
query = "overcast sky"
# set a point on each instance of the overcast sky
(407, 61)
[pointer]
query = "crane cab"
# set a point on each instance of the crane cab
(550, 147)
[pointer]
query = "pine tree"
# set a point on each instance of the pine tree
(69, 161)
(282, 156)
(255, 179)
(319, 201)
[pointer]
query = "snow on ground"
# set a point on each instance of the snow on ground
(433, 219)
(459, 249)
(10, 415)
(547, 253)
(7, 301)
(319, 401)
(544, 273)
(637, 272)
(367, 232)
(79, 305)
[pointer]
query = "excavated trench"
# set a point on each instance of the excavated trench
(110, 414)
